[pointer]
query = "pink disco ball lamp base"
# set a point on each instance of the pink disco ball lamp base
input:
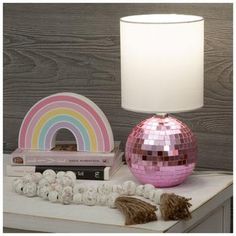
(161, 151)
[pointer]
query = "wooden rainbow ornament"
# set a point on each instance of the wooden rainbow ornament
(74, 112)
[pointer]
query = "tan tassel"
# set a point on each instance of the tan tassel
(135, 210)
(174, 207)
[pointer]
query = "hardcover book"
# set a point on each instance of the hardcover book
(63, 155)
(82, 172)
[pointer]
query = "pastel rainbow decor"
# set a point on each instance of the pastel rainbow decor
(74, 112)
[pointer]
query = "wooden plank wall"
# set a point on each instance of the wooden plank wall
(52, 48)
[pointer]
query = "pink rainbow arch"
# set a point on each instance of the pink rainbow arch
(74, 112)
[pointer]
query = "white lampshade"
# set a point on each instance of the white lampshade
(162, 60)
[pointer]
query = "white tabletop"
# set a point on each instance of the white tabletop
(41, 215)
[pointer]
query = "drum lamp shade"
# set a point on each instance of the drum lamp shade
(162, 62)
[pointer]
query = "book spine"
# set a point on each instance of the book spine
(81, 173)
(62, 159)
(19, 171)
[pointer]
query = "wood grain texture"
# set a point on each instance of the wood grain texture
(52, 48)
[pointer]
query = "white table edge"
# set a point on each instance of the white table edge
(72, 226)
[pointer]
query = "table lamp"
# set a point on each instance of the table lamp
(162, 62)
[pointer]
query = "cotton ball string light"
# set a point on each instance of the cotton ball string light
(80, 188)
(43, 182)
(50, 178)
(129, 188)
(147, 189)
(78, 198)
(60, 174)
(37, 176)
(156, 197)
(67, 181)
(90, 198)
(56, 187)
(59, 180)
(53, 196)
(44, 191)
(111, 200)
(92, 189)
(66, 196)
(117, 188)
(49, 172)
(71, 175)
(151, 194)
(139, 190)
(105, 188)
(15, 182)
(101, 199)
(30, 189)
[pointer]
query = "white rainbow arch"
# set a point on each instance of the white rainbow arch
(74, 112)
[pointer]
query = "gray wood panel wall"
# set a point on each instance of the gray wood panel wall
(52, 48)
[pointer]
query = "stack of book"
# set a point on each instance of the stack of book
(65, 157)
